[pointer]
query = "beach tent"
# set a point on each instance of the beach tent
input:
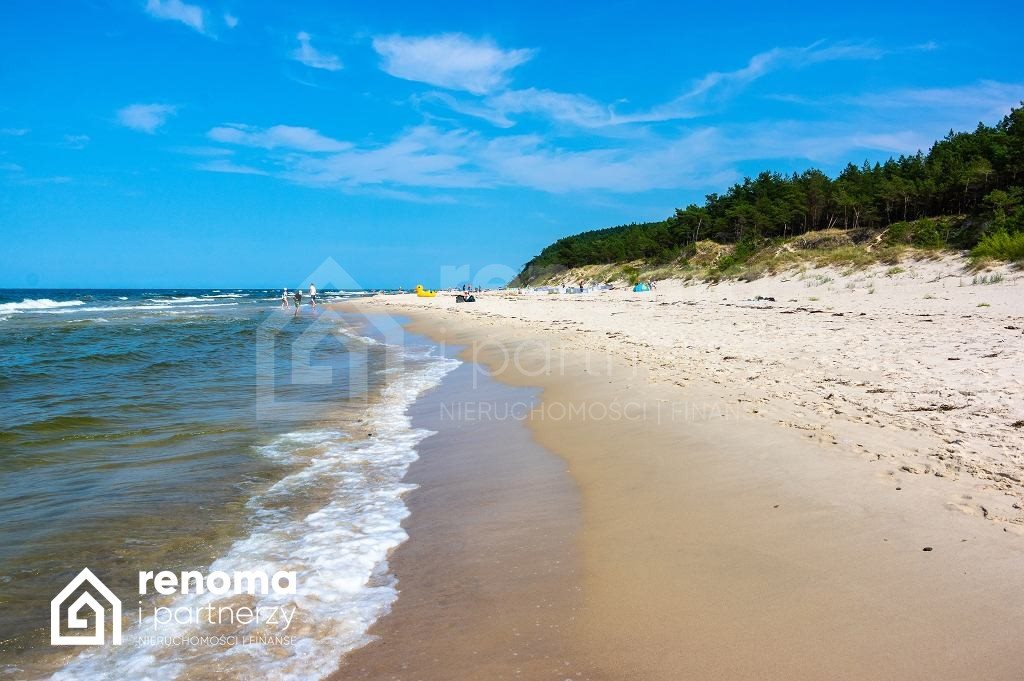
(640, 288)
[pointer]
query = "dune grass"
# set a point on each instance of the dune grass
(1000, 246)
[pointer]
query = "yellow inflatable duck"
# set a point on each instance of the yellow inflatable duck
(424, 293)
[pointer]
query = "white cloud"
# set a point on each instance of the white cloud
(223, 166)
(782, 57)
(987, 100)
(453, 61)
(56, 179)
(176, 10)
(528, 161)
(421, 157)
(719, 85)
(230, 20)
(621, 160)
(426, 158)
(818, 142)
(145, 117)
(76, 141)
(310, 56)
(277, 137)
(501, 108)
(208, 152)
(933, 110)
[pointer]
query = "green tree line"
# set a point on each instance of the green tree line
(977, 176)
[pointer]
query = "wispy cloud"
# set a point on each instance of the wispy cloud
(818, 142)
(778, 58)
(313, 58)
(76, 141)
(590, 147)
(699, 99)
(14, 132)
(209, 152)
(36, 181)
(988, 98)
(427, 158)
(717, 86)
(500, 109)
(930, 108)
(276, 137)
(452, 61)
(145, 117)
(192, 16)
(224, 166)
(230, 20)
(421, 157)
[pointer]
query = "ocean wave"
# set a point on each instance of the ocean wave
(285, 448)
(163, 300)
(166, 307)
(64, 423)
(347, 294)
(352, 334)
(339, 550)
(29, 304)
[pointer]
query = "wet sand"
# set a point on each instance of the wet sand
(489, 578)
(716, 545)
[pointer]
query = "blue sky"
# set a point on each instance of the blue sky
(207, 143)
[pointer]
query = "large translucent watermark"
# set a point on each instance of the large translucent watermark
(311, 350)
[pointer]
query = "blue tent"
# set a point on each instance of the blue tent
(640, 288)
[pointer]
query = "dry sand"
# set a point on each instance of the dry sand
(759, 480)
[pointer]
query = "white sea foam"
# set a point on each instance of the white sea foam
(346, 294)
(185, 309)
(167, 307)
(339, 551)
(351, 334)
(289, 446)
(29, 305)
(164, 300)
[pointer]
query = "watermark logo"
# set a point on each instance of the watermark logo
(294, 365)
(75, 619)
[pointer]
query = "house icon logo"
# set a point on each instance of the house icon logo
(75, 620)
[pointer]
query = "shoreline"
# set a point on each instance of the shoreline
(721, 545)
(489, 574)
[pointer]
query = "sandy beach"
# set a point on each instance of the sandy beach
(823, 485)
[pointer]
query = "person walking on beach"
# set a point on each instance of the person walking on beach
(298, 300)
(312, 295)
(284, 299)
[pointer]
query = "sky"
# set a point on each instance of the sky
(209, 143)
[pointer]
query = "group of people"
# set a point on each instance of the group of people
(296, 298)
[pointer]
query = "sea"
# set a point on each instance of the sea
(206, 431)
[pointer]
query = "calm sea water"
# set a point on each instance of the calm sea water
(174, 429)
